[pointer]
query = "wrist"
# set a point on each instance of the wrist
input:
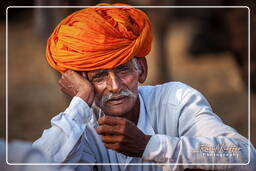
(145, 142)
(78, 110)
(85, 97)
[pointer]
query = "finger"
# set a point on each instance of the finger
(64, 90)
(113, 139)
(110, 120)
(66, 76)
(61, 83)
(113, 146)
(64, 84)
(68, 82)
(68, 72)
(84, 75)
(107, 129)
(70, 75)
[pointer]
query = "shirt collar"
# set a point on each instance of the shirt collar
(144, 125)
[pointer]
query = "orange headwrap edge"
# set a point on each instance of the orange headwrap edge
(99, 38)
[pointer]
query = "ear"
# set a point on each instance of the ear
(142, 62)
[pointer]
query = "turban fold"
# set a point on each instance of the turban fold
(99, 38)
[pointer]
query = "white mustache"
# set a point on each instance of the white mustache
(110, 96)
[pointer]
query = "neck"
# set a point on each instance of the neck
(133, 115)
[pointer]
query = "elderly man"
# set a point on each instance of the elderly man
(101, 55)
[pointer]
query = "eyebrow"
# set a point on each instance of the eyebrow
(101, 71)
(123, 65)
(97, 73)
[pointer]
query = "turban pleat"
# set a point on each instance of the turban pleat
(99, 38)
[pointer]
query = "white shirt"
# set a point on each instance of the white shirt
(20, 152)
(183, 126)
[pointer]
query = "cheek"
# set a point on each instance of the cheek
(99, 90)
(131, 81)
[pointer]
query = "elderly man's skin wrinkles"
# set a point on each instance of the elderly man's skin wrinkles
(118, 127)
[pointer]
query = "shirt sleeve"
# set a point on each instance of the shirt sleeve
(63, 142)
(203, 140)
(22, 152)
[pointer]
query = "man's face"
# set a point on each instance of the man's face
(115, 89)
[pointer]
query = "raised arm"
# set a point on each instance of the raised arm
(63, 142)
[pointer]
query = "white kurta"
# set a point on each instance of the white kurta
(21, 152)
(180, 120)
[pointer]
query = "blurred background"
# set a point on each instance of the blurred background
(206, 48)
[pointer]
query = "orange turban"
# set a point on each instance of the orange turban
(99, 38)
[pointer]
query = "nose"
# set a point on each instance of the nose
(114, 83)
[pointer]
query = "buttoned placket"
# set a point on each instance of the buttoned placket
(145, 126)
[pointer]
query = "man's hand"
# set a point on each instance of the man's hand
(122, 135)
(74, 84)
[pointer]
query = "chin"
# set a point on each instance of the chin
(119, 109)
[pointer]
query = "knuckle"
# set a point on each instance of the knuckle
(122, 121)
(125, 123)
(103, 119)
(122, 129)
(99, 129)
(118, 146)
(109, 146)
(122, 139)
(113, 129)
(70, 72)
(106, 145)
(64, 77)
(103, 138)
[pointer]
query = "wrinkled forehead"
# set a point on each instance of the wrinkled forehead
(127, 64)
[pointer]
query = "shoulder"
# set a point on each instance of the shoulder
(168, 93)
(164, 104)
